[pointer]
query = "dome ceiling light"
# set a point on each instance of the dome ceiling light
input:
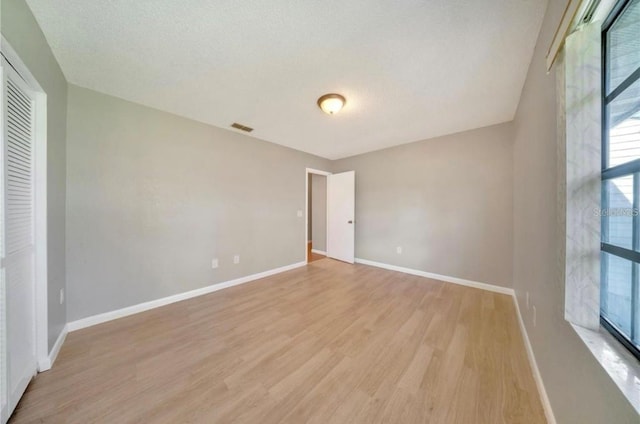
(331, 103)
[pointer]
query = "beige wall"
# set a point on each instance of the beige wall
(21, 30)
(319, 211)
(153, 197)
(579, 389)
(446, 201)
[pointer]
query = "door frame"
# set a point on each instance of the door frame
(308, 172)
(41, 331)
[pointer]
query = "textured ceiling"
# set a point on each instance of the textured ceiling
(410, 69)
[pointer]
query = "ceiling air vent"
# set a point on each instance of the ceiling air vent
(241, 127)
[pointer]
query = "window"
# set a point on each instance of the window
(620, 246)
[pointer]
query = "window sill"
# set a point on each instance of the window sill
(620, 364)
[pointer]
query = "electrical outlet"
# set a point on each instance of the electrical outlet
(61, 296)
(399, 250)
(527, 300)
(534, 316)
(214, 263)
(299, 214)
(236, 259)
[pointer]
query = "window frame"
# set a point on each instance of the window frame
(629, 168)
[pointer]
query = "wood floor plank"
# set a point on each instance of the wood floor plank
(327, 343)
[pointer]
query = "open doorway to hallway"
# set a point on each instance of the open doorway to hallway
(316, 216)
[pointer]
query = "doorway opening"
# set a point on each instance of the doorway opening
(316, 217)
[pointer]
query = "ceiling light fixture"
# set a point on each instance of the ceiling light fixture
(331, 103)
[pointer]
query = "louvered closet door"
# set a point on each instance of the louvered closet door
(18, 232)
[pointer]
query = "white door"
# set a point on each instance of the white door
(18, 104)
(341, 206)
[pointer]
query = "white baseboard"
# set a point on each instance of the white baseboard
(46, 363)
(141, 307)
(455, 280)
(546, 405)
(319, 252)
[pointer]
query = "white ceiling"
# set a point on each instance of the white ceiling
(410, 69)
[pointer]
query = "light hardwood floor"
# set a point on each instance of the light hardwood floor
(327, 343)
(315, 257)
(312, 256)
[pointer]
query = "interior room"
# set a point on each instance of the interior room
(421, 211)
